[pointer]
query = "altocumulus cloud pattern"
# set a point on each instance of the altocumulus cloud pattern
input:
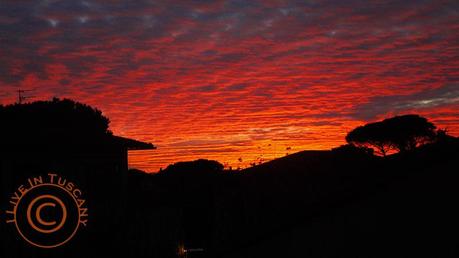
(236, 79)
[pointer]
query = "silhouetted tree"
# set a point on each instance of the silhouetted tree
(443, 136)
(400, 133)
(54, 121)
(196, 166)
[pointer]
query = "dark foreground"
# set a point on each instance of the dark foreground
(340, 203)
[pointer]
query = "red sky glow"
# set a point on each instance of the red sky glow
(236, 81)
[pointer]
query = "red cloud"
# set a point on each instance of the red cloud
(223, 80)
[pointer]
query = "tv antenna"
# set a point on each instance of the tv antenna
(22, 97)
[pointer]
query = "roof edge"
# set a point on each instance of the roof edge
(132, 144)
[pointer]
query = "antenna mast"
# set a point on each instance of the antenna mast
(22, 97)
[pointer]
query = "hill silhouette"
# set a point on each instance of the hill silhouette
(328, 204)
(340, 203)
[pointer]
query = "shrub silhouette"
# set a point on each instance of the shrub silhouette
(399, 133)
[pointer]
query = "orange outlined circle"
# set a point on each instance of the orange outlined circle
(39, 245)
(38, 216)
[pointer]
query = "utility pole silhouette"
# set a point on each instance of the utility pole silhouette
(22, 97)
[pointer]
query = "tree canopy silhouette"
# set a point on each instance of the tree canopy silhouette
(194, 167)
(50, 122)
(399, 133)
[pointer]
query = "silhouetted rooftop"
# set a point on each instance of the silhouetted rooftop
(132, 144)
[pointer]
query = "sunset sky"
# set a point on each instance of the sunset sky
(236, 81)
